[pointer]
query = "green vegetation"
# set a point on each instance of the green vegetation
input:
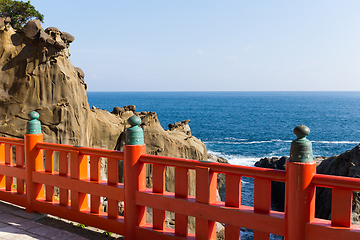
(20, 12)
(107, 233)
(80, 225)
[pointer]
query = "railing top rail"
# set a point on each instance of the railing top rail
(330, 181)
(12, 141)
(82, 150)
(277, 175)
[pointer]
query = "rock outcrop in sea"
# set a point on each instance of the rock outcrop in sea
(346, 164)
(36, 74)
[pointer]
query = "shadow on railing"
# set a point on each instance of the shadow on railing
(32, 185)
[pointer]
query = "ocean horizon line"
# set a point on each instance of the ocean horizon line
(242, 91)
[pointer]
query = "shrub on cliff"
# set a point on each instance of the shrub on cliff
(19, 12)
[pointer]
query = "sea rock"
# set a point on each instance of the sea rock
(32, 28)
(120, 111)
(182, 126)
(346, 164)
(214, 158)
(2, 23)
(67, 37)
(117, 110)
(37, 75)
(80, 73)
(131, 108)
(60, 45)
(53, 32)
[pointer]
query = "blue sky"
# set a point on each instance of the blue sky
(212, 45)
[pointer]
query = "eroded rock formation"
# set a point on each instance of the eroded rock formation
(36, 74)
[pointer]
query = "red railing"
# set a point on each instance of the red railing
(79, 173)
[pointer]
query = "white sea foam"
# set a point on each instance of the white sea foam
(237, 159)
(244, 182)
(280, 152)
(248, 143)
(235, 139)
(268, 141)
(336, 142)
(277, 140)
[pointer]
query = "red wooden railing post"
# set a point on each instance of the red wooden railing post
(134, 177)
(300, 193)
(33, 160)
(206, 181)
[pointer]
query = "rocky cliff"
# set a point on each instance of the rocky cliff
(346, 164)
(36, 74)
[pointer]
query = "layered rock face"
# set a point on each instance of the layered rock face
(346, 164)
(36, 74)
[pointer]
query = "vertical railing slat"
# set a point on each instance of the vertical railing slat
(95, 177)
(341, 207)
(181, 191)
(262, 194)
(2, 161)
(78, 170)
(206, 182)
(74, 174)
(232, 199)
(113, 175)
(83, 175)
(158, 187)
(49, 168)
(20, 164)
(63, 171)
(8, 162)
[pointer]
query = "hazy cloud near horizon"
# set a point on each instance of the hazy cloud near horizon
(202, 46)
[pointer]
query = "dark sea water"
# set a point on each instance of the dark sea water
(246, 126)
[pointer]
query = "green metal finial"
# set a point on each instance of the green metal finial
(301, 148)
(134, 134)
(33, 126)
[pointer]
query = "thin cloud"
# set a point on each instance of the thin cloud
(247, 48)
(231, 58)
(272, 67)
(304, 66)
(200, 51)
(93, 76)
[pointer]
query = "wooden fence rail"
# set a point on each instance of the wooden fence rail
(32, 184)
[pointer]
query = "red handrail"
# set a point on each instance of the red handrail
(105, 153)
(330, 181)
(204, 206)
(246, 171)
(12, 141)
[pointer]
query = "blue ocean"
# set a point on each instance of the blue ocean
(246, 126)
